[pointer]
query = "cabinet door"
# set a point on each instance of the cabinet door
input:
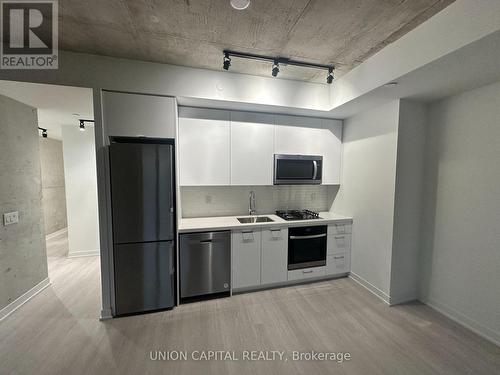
(246, 258)
(298, 135)
(133, 115)
(331, 150)
(274, 255)
(252, 146)
(204, 147)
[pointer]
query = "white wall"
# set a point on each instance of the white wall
(408, 201)
(367, 192)
(84, 70)
(460, 272)
(81, 190)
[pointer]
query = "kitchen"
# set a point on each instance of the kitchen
(220, 255)
(280, 187)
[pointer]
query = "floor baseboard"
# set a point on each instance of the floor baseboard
(56, 233)
(370, 287)
(17, 303)
(86, 253)
(463, 320)
(398, 299)
(106, 314)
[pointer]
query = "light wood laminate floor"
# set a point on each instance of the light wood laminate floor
(58, 332)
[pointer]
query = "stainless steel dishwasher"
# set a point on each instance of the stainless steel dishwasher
(205, 264)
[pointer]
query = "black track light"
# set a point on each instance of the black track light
(329, 78)
(82, 125)
(227, 61)
(228, 54)
(276, 68)
(44, 132)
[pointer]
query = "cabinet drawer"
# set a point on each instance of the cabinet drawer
(339, 228)
(306, 273)
(338, 263)
(338, 243)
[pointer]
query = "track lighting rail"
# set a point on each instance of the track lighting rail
(276, 61)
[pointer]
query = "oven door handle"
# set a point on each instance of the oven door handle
(307, 237)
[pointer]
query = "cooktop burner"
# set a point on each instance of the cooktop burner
(298, 215)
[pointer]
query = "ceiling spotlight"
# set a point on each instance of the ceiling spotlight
(276, 68)
(240, 4)
(329, 78)
(227, 61)
(82, 125)
(44, 132)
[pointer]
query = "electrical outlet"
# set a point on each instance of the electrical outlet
(208, 199)
(11, 218)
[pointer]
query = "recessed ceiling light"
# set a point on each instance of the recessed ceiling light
(240, 4)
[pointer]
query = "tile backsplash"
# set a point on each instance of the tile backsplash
(201, 201)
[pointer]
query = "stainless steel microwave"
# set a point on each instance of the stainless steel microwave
(297, 169)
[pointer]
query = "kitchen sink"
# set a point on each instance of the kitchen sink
(255, 219)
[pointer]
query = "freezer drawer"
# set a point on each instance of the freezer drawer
(144, 277)
(205, 263)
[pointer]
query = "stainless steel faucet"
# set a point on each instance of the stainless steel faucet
(251, 203)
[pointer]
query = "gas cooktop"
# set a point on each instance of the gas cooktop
(298, 215)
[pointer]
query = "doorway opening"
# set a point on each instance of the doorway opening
(49, 180)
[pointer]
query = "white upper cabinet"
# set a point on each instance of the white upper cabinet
(133, 115)
(204, 147)
(219, 147)
(298, 135)
(331, 149)
(252, 147)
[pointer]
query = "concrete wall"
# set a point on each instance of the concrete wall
(408, 201)
(81, 190)
(233, 200)
(460, 271)
(367, 192)
(53, 192)
(23, 259)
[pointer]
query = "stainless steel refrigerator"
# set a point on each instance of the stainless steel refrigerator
(143, 214)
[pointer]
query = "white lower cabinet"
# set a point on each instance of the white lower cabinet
(274, 256)
(339, 243)
(246, 247)
(339, 228)
(306, 273)
(260, 257)
(337, 264)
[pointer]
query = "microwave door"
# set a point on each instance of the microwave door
(290, 169)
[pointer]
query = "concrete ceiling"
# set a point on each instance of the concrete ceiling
(195, 32)
(57, 105)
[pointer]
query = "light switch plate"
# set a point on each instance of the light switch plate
(11, 218)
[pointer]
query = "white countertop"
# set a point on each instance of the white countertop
(203, 224)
